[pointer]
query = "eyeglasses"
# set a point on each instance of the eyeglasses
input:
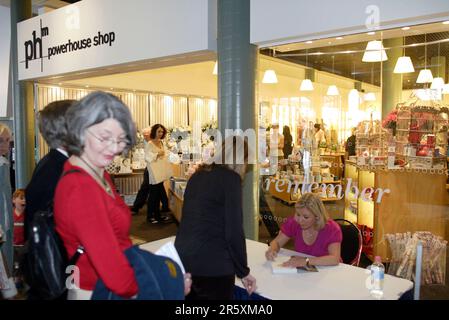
(107, 142)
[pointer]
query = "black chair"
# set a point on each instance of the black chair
(351, 246)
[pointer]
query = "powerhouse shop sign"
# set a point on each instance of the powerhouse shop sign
(36, 50)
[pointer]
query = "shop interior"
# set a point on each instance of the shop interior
(340, 83)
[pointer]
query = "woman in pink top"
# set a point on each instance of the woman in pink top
(314, 233)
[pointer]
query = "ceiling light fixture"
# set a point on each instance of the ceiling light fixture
(425, 75)
(371, 33)
(374, 52)
(446, 22)
(405, 28)
(404, 64)
(306, 84)
(215, 71)
(333, 90)
(270, 76)
(438, 82)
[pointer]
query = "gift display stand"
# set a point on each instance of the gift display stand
(421, 136)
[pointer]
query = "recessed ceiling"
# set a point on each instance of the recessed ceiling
(350, 65)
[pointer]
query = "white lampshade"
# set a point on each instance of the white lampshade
(306, 85)
(437, 83)
(374, 52)
(404, 65)
(333, 91)
(270, 77)
(446, 89)
(369, 96)
(425, 76)
(215, 72)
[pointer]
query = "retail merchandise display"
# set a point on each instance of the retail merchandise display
(403, 248)
(371, 143)
(421, 136)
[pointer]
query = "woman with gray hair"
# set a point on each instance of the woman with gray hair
(6, 217)
(88, 210)
(210, 238)
(40, 190)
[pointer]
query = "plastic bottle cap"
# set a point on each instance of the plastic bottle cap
(377, 259)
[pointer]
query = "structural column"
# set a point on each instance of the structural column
(237, 107)
(391, 82)
(23, 106)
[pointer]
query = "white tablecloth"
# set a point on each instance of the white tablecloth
(342, 282)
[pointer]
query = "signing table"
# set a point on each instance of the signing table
(342, 282)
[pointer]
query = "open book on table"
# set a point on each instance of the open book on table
(277, 268)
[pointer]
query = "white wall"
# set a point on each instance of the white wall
(5, 36)
(286, 21)
(144, 30)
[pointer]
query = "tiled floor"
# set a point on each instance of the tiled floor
(143, 231)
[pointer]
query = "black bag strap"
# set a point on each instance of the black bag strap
(79, 251)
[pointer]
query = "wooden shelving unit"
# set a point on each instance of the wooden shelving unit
(416, 201)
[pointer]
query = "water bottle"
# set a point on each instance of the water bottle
(377, 278)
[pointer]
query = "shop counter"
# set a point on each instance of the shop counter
(413, 200)
(342, 282)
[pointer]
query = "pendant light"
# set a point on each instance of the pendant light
(425, 75)
(438, 82)
(404, 64)
(354, 93)
(270, 75)
(374, 52)
(333, 90)
(215, 72)
(306, 84)
(370, 96)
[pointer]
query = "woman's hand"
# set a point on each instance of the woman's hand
(187, 283)
(295, 262)
(272, 251)
(249, 282)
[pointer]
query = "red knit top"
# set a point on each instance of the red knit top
(85, 214)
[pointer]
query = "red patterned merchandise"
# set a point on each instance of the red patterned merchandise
(367, 236)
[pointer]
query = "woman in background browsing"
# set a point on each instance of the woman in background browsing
(288, 140)
(155, 150)
(210, 238)
(314, 234)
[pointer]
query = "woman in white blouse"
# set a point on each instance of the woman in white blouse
(156, 153)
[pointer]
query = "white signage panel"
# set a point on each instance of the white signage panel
(97, 33)
(5, 32)
(287, 21)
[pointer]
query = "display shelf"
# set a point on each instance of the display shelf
(404, 208)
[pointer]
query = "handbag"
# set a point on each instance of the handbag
(45, 260)
(160, 170)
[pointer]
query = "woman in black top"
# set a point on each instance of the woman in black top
(210, 239)
(287, 141)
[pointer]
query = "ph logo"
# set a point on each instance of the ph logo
(33, 48)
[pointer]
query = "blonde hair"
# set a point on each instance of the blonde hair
(4, 127)
(314, 204)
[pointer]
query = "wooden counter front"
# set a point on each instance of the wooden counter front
(417, 201)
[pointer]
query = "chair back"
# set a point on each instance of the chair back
(351, 245)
